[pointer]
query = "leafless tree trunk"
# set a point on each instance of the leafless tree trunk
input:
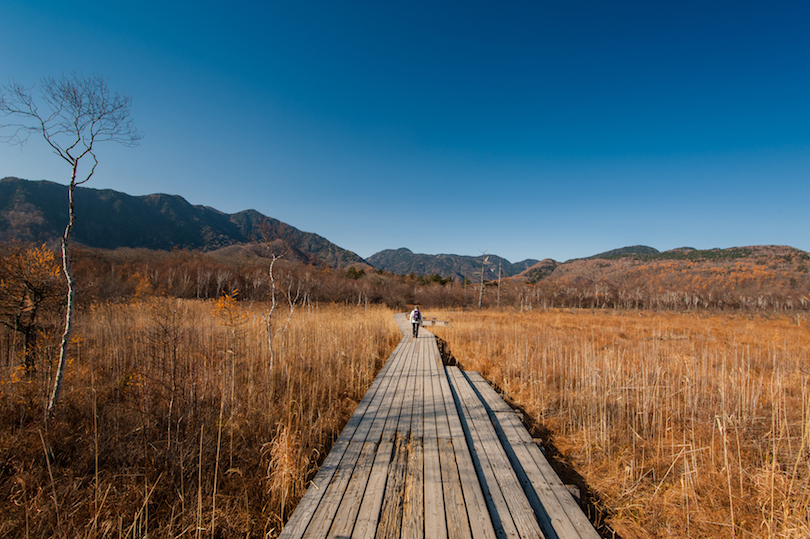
(499, 284)
(78, 112)
(221, 276)
(268, 320)
(484, 261)
(203, 278)
(292, 301)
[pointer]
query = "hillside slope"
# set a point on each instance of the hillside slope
(738, 276)
(403, 261)
(37, 211)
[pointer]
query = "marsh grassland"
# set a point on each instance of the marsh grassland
(178, 420)
(682, 425)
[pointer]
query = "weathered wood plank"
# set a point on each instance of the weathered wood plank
(413, 510)
(394, 498)
(328, 507)
(417, 413)
(455, 509)
(404, 425)
(458, 523)
(390, 523)
(344, 520)
(511, 505)
(435, 518)
(370, 509)
(552, 503)
(577, 517)
(498, 509)
(322, 519)
(477, 513)
(435, 524)
(442, 424)
(413, 503)
(490, 397)
(369, 513)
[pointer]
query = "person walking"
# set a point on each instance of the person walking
(415, 318)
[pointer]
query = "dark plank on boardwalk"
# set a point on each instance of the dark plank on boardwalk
(432, 452)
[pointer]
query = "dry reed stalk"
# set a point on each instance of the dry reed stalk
(50, 474)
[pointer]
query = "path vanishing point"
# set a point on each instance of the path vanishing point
(434, 452)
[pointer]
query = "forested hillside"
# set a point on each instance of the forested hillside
(755, 277)
(37, 211)
(457, 267)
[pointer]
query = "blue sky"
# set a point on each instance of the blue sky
(528, 130)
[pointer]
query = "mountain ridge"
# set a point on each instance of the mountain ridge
(403, 261)
(108, 219)
(37, 211)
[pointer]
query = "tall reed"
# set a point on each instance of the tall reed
(685, 425)
(174, 423)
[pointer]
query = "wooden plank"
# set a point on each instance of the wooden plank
(554, 506)
(477, 513)
(375, 433)
(370, 509)
(417, 414)
(345, 517)
(413, 523)
(498, 509)
(442, 424)
(435, 517)
(404, 425)
(413, 517)
(324, 514)
(458, 524)
(487, 393)
(511, 488)
(569, 505)
(435, 524)
(552, 516)
(390, 523)
(393, 508)
(413, 503)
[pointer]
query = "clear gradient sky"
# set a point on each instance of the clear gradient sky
(527, 129)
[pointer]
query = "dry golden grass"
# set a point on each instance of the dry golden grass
(175, 423)
(684, 425)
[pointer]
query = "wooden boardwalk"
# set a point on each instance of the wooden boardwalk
(434, 452)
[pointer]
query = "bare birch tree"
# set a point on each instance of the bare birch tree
(268, 319)
(499, 283)
(484, 262)
(73, 114)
